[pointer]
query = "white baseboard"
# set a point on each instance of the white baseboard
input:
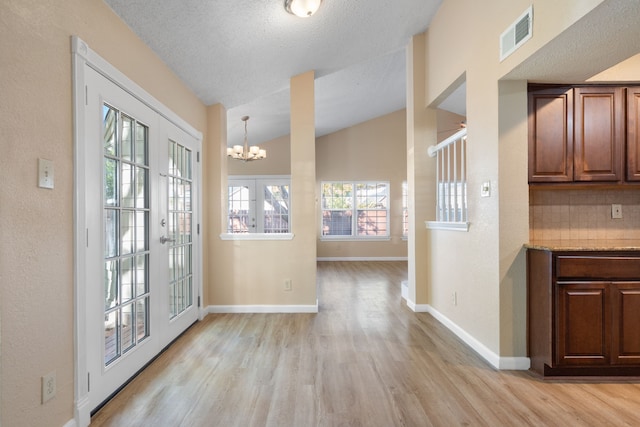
(387, 258)
(70, 423)
(500, 363)
(262, 308)
(417, 308)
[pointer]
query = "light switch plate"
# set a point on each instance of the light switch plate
(485, 191)
(45, 173)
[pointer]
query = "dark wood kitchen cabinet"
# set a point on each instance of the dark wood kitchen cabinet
(633, 134)
(583, 324)
(584, 134)
(551, 135)
(583, 312)
(625, 336)
(599, 133)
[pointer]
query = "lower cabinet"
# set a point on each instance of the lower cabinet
(625, 336)
(583, 312)
(583, 331)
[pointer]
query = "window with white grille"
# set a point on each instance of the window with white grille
(355, 209)
(451, 183)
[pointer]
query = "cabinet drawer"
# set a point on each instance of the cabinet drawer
(598, 267)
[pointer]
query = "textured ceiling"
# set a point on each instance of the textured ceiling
(606, 36)
(242, 53)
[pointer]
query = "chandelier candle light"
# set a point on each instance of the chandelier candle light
(246, 153)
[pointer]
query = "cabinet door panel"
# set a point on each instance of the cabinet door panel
(551, 135)
(625, 338)
(599, 133)
(582, 335)
(633, 134)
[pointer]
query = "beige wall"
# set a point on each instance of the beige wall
(36, 225)
(371, 151)
(278, 161)
(422, 130)
(36, 261)
(448, 123)
(485, 266)
(253, 273)
(374, 150)
(625, 71)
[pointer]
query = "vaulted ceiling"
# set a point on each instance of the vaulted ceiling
(242, 53)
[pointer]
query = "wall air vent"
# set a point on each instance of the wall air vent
(517, 34)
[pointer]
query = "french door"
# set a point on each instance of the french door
(241, 206)
(259, 205)
(179, 229)
(141, 212)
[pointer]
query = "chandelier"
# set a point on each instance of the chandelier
(246, 153)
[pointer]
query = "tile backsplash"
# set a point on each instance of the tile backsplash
(583, 214)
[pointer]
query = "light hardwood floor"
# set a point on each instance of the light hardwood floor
(364, 360)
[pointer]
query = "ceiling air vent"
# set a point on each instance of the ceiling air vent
(517, 33)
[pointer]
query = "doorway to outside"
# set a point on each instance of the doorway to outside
(138, 247)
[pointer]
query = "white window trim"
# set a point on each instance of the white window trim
(356, 238)
(256, 236)
(443, 225)
(353, 238)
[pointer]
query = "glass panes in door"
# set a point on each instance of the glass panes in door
(276, 209)
(241, 217)
(180, 228)
(126, 232)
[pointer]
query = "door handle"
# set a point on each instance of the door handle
(164, 240)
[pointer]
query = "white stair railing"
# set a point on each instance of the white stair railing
(451, 176)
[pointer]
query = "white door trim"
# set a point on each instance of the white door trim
(83, 56)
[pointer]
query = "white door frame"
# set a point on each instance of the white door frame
(83, 56)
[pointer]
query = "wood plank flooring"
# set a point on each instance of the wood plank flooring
(364, 360)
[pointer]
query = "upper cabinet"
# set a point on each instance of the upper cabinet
(584, 134)
(599, 125)
(633, 134)
(551, 135)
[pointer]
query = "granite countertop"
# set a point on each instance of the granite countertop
(584, 245)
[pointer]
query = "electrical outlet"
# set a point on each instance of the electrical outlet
(287, 285)
(616, 211)
(48, 386)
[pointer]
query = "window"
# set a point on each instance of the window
(369, 201)
(259, 205)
